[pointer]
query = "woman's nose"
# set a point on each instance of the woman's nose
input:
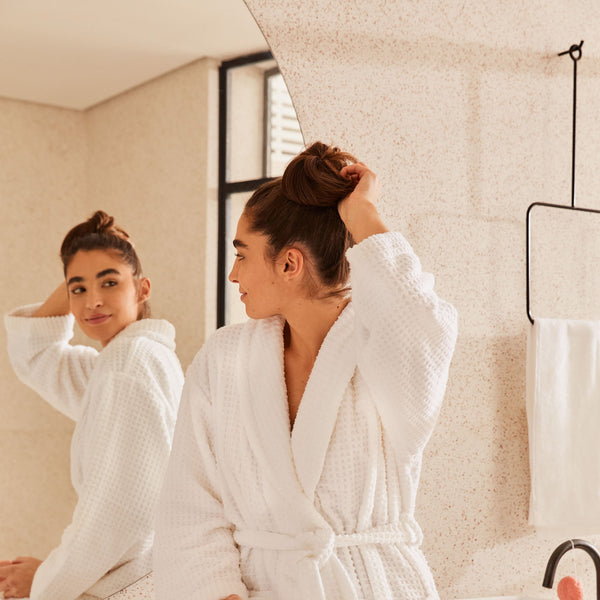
(94, 299)
(232, 274)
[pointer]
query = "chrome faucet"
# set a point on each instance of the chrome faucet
(561, 551)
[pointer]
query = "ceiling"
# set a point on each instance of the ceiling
(77, 53)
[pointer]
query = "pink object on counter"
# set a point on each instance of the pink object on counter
(569, 588)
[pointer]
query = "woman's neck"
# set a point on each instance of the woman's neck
(307, 325)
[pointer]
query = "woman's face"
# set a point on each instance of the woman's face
(104, 296)
(255, 273)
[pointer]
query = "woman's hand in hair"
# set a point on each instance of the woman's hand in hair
(357, 210)
(56, 305)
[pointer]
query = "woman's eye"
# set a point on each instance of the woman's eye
(77, 290)
(238, 256)
(109, 283)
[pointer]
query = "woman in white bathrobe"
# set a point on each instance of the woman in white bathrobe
(124, 400)
(299, 440)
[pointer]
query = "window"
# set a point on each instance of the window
(258, 135)
(283, 138)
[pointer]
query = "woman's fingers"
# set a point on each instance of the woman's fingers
(366, 189)
(367, 182)
(354, 171)
(16, 576)
(357, 210)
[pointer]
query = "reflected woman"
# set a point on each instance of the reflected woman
(124, 400)
(298, 447)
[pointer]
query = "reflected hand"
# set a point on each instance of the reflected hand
(57, 304)
(16, 576)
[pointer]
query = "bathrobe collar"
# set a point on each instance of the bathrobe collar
(324, 392)
(296, 461)
(158, 330)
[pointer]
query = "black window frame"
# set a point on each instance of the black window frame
(226, 188)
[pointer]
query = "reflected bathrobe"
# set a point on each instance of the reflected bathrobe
(324, 511)
(124, 401)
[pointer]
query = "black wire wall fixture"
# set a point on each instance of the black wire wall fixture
(575, 53)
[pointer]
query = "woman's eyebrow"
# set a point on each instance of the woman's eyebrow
(103, 273)
(75, 280)
(107, 272)
(239, 244)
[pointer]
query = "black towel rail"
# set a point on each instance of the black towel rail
(575, 53)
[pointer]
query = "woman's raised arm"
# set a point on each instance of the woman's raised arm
(358, 210)
(56, 305)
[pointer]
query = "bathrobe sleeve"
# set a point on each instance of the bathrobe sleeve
(406, 336)
(43, 359)
(125, 446)
(195, 556)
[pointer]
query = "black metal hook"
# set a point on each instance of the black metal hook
(575, 48)
(571, 51)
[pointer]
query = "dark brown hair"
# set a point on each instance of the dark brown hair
(301, 208)
(100, 232)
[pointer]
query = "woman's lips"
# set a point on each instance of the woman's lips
(97, 319)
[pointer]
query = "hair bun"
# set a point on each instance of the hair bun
(102, 223)
(313, 177)
(99, 224)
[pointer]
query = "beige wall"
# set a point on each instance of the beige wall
(153, 162)
(148, 157)
(42, 185)
(464, 110)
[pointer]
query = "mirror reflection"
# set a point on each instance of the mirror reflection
(114, 109)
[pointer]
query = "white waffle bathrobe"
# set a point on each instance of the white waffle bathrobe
(326, 510)
(124, 400)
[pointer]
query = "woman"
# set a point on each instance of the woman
(124, 400)
(299, 440)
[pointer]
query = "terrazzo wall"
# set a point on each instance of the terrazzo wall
(464, 110)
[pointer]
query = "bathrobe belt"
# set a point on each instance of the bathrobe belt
(305, 553)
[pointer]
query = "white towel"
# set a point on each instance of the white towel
(563, 414)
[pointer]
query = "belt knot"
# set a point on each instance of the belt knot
(317, 545)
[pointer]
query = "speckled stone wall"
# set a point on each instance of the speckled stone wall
(464, 110)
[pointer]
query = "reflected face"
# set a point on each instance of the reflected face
(255, 273)
(104, 296)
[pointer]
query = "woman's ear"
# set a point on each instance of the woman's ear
(292, 263)
(144, 289)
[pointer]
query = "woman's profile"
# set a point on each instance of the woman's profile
(299, 441)
(124, 401)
